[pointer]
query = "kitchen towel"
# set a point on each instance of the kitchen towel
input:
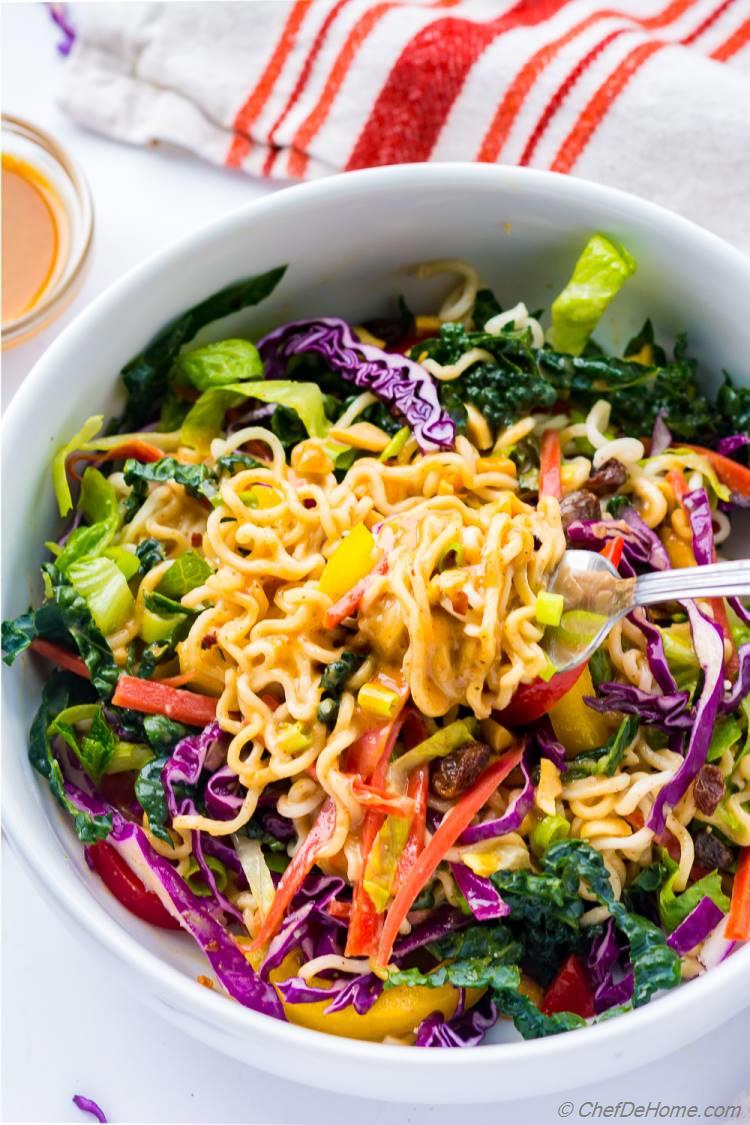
(652, 96)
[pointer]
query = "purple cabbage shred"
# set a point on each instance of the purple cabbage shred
(396, 380)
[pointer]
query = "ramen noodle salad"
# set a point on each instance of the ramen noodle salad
(298, 698)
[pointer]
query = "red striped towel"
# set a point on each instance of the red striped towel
(649, 95)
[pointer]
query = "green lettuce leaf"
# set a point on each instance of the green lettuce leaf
(185, 573)
(217, 365)
(98, 503)
(95, 748)
(104, 588)
(204, 421)
(87, 431)
(598, 275)
(674, 908)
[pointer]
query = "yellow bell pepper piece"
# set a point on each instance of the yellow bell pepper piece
(352, 560)
(680, 552)
(549, 787)
(576, 725)
(398, 1011)
(260, 496)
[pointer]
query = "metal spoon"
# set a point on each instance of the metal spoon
(596, 598)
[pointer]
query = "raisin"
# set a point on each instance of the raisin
(579, 505)
(458, 771)
(709, 789)
(711, 853)
(608, 478)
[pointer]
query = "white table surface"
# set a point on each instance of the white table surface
(67, 1027)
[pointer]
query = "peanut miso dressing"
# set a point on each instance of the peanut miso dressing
(34, 237)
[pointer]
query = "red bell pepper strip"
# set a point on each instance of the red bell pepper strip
(127, 887)
(152, 698)
(613, 549)
(738, 922)
(452, 825)
(297, 871)
(349, 603)
(338, 909)
(570, 991)
(531, 701)
(61, 657)
(136, 448)
(676, 478)
(550, 459)
(380, 800)
(372, 756)
(417, 789)
(735, 476)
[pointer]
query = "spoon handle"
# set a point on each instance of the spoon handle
(724, 579)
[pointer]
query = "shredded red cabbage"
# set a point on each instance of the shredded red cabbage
(642, 548)
(463, 1029)
(306, 915)
(187, 761)
(88, 1105)
(741, 686)
(186, 764)
(549, 746)
(399, 382)
(361, 992)
(158, 875)
(58, 14)
(485, 902)
(729, 445)
(602, 965)
(223, 802)
(694, 929)
(661, 435)
(668, 711)
(701, 524)
(708, 642)
(513, 815)
(657, 658)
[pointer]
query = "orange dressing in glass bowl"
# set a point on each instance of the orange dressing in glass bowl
(47, 227)
(34, 236)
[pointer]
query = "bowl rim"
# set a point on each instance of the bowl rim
(47, 861)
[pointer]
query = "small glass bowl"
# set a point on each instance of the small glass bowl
(25, 142)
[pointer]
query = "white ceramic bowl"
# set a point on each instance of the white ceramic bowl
(347, 241)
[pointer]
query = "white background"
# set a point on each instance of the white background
(67, 1028)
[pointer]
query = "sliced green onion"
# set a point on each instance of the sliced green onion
(396, 444)
(452, 557)
(547, 831)
(549, 608)
(378, 700)
(293, 737)
(129, 756)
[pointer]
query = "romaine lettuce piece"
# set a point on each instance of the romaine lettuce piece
(104, 588)
(598, 275)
